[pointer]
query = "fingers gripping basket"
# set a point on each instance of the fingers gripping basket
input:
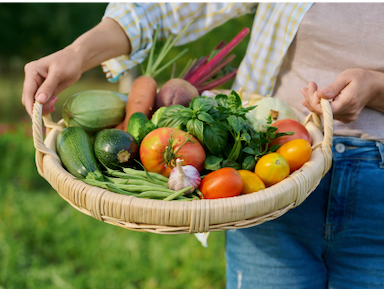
(177, 217)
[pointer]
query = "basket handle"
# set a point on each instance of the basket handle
(328, 131)
(38, 136)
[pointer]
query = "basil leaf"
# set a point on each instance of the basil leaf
(171, 117)
(201, 104)
(212, 163)
(235, 123)
(249, 163)
(231, 164)
(249, 150)
(221, 100)
(215, 138)
(234, 101)
(186, 112)
(195, 127)
(246, 137)
(205, 117)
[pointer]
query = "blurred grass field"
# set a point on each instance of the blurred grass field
(45, 243)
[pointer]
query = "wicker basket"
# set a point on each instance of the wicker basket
(178, 217)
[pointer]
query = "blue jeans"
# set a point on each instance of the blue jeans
(334, 239)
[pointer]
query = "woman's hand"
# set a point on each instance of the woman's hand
(47, 77)
(352, 90)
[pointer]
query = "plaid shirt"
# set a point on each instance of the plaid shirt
(273, 30)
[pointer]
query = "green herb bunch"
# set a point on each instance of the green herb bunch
(220, 124)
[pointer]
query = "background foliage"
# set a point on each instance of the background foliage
(44, 242)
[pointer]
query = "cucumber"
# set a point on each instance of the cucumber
(94, 110)
(139, 126)
(76, 152)
(115, 148)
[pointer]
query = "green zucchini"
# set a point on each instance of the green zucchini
(94, 110)
(76, 152)
(115, 148)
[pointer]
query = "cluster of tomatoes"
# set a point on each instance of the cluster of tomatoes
(294, 152)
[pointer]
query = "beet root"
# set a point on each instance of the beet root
(176, 91)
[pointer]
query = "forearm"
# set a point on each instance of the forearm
(101, 43)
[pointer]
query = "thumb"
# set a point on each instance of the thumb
(46, 90)
(334, 89)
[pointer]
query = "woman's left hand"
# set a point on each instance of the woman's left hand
(352, 90)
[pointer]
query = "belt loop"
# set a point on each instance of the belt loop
(380, 146)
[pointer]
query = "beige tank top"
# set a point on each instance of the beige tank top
(333, 37)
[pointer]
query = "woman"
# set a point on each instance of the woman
(299, 53)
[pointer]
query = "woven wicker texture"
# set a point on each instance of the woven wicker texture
(178, 217)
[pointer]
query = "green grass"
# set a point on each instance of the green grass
(46, 243)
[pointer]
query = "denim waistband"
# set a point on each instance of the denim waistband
(358, 149)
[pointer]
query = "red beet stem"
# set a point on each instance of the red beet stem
(202, 61)
(218, 82)
(198, 64)
(215, 70)
(224, 51)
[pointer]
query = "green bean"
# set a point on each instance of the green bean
(114, 189)
(135, 174)
(117, 180)
(136, 182)
(154, 195)
(144, 173)
(95, 183)
(178, 193)
(143, 188)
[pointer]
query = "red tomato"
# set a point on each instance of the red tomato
(223, 183)
(161, 147)
(290, 125)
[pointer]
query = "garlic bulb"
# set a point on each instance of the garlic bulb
(184, 176)
(277, 108)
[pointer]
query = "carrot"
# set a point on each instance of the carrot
(141, 98)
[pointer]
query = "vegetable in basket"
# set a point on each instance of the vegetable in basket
(76, 152)
(223, 183)
(143, 91)
(183, 177)
(284, 125)
(94, 110)
(276, 108)
(115, 148)
(161, 147)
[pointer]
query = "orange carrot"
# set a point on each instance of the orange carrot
(141, 98)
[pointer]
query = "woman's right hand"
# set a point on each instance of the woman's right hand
(47, 77)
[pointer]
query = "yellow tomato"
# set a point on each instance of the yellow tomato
(297, 152)
(251, 182)
(272, 168)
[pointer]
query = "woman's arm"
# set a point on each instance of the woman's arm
(350, 93)
(47, 77)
